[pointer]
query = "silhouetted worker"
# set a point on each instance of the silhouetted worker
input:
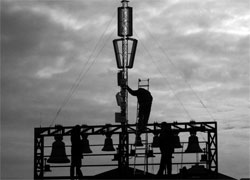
(145, 102)
(166, 139)
(76, 152)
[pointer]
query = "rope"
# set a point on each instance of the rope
(83, 73)
(180, 73)
(166, 80)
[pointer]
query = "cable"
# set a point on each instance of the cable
(83, 73)
(180, 73)
(166, 80)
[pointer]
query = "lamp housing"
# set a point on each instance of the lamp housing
(132, 45)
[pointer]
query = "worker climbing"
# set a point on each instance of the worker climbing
(145, 102)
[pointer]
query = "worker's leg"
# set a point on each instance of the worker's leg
(162, 164)
(169, 163)
(72, 169)
(78, 171)
(144, 112)
(140, 120)
(147, 110)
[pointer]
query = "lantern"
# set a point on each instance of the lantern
(132, 44)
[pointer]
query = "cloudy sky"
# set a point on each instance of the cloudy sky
(59, 54)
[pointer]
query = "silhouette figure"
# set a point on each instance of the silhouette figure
(145, 102)
(166, 144)
(76, 152)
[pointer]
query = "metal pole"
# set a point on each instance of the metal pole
(124, 144)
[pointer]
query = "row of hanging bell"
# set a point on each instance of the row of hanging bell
(58, 153)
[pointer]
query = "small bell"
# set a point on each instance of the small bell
(132, 152)
(116, 156)
(46, 166)
(150, 153)
(85, 144)
(138, 141)
(203, 158)
(58, 153)
(108, 144)
(193, 144)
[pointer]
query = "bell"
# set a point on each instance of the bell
(150, 153)
(46, 166)
(156, 141)
(132, 152)
(177, 143)
(203, 158)
(108, 144)
(58, 153)
(85, 144)
(117, 155)
(193, 144)
(138, 141)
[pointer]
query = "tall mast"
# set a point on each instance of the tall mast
(125, 60)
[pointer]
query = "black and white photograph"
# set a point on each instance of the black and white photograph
(125, 89)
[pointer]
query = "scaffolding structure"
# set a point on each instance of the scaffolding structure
(209, 128)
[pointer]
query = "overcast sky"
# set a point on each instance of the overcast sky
(196, 54)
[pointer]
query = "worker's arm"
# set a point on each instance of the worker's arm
(132, 92)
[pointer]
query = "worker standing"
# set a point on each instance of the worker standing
(76, 153)
(166, 143)
(145, 102)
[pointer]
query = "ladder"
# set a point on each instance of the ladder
(141, 152)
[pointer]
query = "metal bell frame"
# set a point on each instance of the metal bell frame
(41, 135)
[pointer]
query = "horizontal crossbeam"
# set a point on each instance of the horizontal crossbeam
(117, 129)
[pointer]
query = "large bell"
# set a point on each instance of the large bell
(156, 141)
(177, 143)
(58, 153)
(108, 144)
(85, 144)
(193, 144)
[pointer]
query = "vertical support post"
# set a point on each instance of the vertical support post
(216, 148)
(38, 155)
(209, 150)
(213, 149)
